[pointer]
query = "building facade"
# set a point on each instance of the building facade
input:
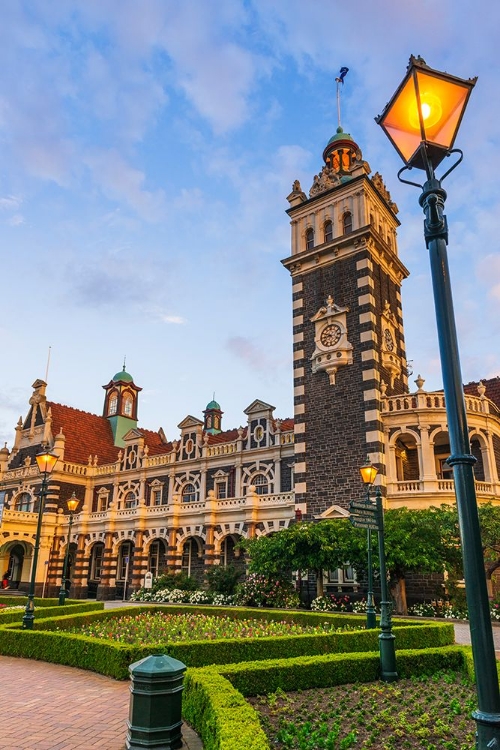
(147, 504)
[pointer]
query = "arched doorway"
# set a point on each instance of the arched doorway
(15, 566)
(192, 558)
(124, 568)
(95, 569)
(157, 557)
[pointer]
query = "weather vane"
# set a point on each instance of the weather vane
(340, 80)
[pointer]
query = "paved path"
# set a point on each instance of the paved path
(53, 707)
(462, 635)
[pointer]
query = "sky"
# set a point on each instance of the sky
(146, 152)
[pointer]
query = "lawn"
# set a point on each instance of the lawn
(158, 627)
(425, 713)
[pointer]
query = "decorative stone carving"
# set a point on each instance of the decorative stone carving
(391, 361)
(379, 184)
(297, 195)
(326, 179)
(333, 350)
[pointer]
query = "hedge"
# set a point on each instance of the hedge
(227, 651)
(213, 700)
(50, 611)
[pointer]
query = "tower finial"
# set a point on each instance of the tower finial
(340, 80)
(124, 361)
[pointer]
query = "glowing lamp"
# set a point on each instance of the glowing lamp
(72, 503)
(368, 472)
(46, 461)
(423, 117)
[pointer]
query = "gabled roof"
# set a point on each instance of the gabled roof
(258, 406)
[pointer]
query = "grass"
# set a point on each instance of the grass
(156, 627)
(424, 713)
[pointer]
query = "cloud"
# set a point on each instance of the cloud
(10, 203)
(120, 181)
(16, 220)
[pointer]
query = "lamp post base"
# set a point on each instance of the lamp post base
(62, 597)
(488, 730)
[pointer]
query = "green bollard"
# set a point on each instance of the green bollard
(155, 703)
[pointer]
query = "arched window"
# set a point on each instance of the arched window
(113, 404)
(309, 238)
(189, 493)
(261, 483)
(130, 500)
(328, 229)
(127, 404)
(188, 555)
(347, 222)
(24, 502)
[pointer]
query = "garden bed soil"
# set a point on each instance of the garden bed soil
(428, 713)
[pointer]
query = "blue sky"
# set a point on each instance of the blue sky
(146, 152)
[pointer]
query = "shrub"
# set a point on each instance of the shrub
(222, 579)
(262, 591)
(174, 581)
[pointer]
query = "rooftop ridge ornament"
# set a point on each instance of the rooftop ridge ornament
(340, 80)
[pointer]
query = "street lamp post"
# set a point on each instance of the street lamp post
(368, 473)
(72, 506)
(422, 120)
(46, 461)
(370, 516)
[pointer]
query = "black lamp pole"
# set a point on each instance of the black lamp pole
(72, 506)
(422, 120)
(46, 462)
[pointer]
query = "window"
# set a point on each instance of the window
(347, 222)
(156, 563)
(189, 493)
(24, 502)
(96, 562)
(221, 489)
(328, 229)
(130, 500)
(187, 556)
(309, 238)
(124, 567)
(113, 404)
(261, 484)
(127, 404)
(258, 434)
(156, 497)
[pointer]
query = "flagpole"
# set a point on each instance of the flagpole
(338, 101)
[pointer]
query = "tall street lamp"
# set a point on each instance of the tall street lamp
(46, 461)
(422, 121)
(72, 504)
(368, 473)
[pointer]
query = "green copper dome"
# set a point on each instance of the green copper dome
(213, 405)
(340, 136)
(123, 376)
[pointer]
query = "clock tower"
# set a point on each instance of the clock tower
(348, 343)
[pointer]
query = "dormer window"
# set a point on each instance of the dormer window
(113, 404)
(309, 238)
(347, 222)
(328, 229)
(127, 404)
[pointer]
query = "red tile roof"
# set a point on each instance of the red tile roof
(492, 389)
(86, 434)
(90, 435)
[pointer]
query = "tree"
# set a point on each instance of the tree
(424, 541)
(317, 547)
(489, 519)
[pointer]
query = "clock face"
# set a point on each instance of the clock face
(330, 335)
(389, 341)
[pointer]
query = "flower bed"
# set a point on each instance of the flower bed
(166, 627)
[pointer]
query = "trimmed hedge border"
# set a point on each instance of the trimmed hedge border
(202, 653)
(47, 611)
(214, 703)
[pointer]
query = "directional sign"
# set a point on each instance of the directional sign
(365, 507)
(364, 523)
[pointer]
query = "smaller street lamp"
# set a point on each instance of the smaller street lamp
(46, 461)
(370, 516)
(72, 504)
(368, 473)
